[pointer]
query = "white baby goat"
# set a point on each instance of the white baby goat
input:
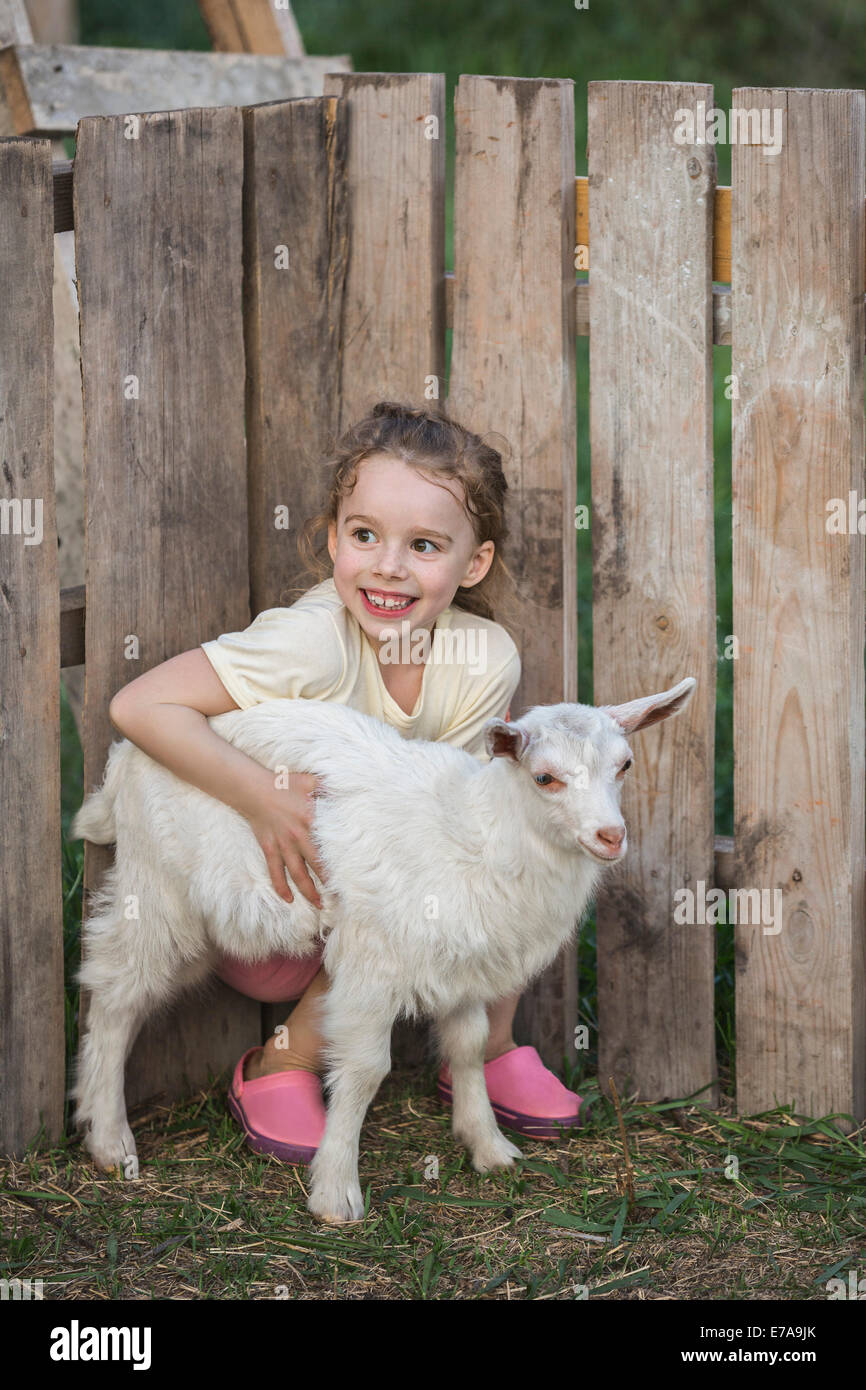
(451, 883)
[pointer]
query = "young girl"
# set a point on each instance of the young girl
(402, 629)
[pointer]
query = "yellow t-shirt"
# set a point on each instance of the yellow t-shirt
(317, 650)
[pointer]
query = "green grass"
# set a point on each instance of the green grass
(672, 1218)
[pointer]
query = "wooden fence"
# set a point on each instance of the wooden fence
(213, 379)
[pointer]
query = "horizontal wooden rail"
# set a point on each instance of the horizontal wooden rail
(63, 222)
(72, 626)
(46, 88)
(721, 310)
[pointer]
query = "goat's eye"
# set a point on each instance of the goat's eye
(543, 779)
(626, 765)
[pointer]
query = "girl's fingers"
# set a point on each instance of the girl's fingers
(308, 850)
(277, 870)
(301, 879)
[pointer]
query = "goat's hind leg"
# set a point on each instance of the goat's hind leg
(130, 969)
(99, 1085)
(463, 1037)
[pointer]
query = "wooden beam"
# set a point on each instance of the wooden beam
(63, 222)
(513, 373)
(72, 602)
(159, 260)
(653, 610)
(295, 199)
(798, 586)
(53, 21)
(46, 89)
(31, 890)
(15, 26)
(252, 26)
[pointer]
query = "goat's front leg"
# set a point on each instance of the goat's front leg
(463, 1037)
(357, 1033)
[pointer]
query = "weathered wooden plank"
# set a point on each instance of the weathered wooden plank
(72, 604)
(722, 236)
(64, 220)
(158, 257)
(295, 252)
(581, 227)
(15, 27)
(53, 21)
(651, 398)
(31, 912)
(392, 343)
(396, 196)
(15, 24)
(798, 439)
(223, 25)
(513, 373)
(252, 26)
(48, 87)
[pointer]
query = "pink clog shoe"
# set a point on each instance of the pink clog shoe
(525, 1096)
(282, 1114)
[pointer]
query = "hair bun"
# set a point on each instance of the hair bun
(395, 411)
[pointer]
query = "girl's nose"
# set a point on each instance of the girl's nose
(391, 567)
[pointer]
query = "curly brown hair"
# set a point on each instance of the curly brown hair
(432, 442)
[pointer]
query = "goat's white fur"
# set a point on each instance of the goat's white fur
(450, 884)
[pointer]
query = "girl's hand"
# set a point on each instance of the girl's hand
(281, 824)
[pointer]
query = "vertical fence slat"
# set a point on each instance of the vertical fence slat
(295, 243)
(650, 297)
(31, 915)
(392, 339)
(158, 258)
(393, 329)
(513, 373)
(798, 438)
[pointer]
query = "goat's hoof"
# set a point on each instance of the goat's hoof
(496, 1153)
(114, 1154)
(336, 1204)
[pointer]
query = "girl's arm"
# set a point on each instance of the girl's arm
(165, 713)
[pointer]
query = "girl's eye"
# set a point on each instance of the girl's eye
(544, 779)
(422, 540)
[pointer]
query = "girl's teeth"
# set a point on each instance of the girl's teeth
(388, 602)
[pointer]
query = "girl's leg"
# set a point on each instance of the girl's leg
(501, 1019)
(303, 1036)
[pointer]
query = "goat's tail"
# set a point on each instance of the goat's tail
(94, 820)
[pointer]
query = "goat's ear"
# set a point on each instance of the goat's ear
(505, 740)
(639, 714)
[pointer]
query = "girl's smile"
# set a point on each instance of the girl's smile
(387, 603)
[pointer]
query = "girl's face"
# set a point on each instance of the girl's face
(401, 538)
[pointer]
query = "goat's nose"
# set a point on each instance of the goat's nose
(611, 835)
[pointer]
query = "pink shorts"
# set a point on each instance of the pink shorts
(272, 980)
